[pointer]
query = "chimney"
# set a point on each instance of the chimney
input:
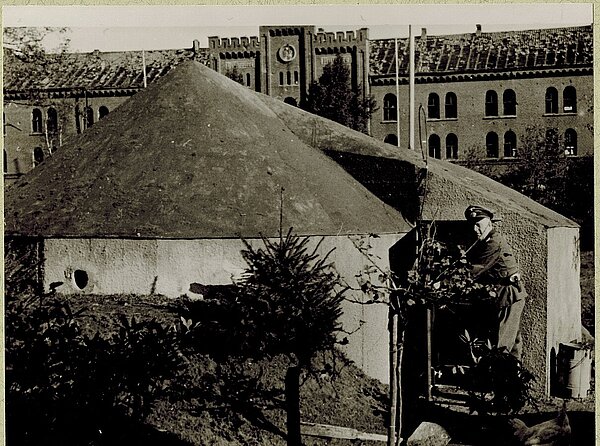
(196, 46)
(478, 32)
(423, 33)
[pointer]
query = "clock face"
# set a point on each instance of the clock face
(287, 53)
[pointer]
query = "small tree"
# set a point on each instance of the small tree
(235, 75)
(542, 171)
(332, 97)
(292, 302)
(440, 278)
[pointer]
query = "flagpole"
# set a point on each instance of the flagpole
(144, 68)
(397, 94)
(411, 89)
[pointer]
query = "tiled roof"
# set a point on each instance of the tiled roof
(461, 53)
(93, 71)
(484, 52)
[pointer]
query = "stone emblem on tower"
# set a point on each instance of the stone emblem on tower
(287, 53)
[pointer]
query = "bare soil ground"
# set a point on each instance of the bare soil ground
(344, 398)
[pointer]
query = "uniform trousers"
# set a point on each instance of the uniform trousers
(509, 334)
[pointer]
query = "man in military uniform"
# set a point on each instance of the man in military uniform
(494, 264)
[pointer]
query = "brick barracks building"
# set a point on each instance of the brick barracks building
(476, 94)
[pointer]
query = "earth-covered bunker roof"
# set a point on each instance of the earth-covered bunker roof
(195, 155)
(396, 174)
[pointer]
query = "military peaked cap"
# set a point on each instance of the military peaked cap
(475, 213)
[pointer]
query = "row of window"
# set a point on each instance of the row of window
(286, 78)
(569, 100)
(37, 156)
(509, 104)
(510, 143)
(491, 143)
(434, 145)
(37, 122)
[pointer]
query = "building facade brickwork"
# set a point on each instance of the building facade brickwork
(476, 95)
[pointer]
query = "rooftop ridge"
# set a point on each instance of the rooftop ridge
(489, 33)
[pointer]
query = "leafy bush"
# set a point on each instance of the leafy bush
(441, 278)
(22, 264)
(63, 386)
(497, 382)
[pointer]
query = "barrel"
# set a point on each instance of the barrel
(575, 363)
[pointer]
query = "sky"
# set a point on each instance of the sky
(121, 28)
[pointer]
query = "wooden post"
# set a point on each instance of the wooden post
(429, 353)
(393, 327)
(400, 350)
(292, 401)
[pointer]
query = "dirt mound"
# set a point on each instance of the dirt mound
(201, 407)
(196, 155)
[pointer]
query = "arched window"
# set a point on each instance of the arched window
(281, 78)
(570, 142)
(510, 144)
(247, 79)
(451, 109)
(390, 112)
(291, 101)
(289, 78)
(570, 100)
(451, 146)
(89, 117)
(509, 98)
(552, 139)
(551, 100)
(38, 156)
(434, 147)
(52, 120)
(491, 103)
(491, 145)
(36, 121)
(296, 78)
(433, 106)
(102, 111)
(391, 139)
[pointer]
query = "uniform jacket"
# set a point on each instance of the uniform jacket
(493, 264)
